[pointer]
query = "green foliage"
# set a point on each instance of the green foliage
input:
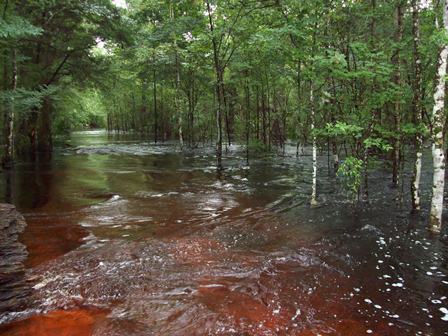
(411, 130)
(350, 173)
(256, 146)
(377, 143)
(341, 130)
(78, 110)
(25, 100)
(16, 27)
(150, 68)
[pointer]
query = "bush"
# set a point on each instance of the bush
(350, 173)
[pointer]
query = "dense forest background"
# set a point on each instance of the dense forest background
(362, 79)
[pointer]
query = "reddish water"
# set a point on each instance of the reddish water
(127, 238)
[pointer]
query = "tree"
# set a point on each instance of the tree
(13, 30)
(438, 116)
(417, 106)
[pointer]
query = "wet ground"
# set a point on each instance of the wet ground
(131, 238)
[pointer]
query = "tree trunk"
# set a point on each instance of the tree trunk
(258, 114)
(263, 110)
(396, 60)
(143, 107)
(219, 72)
(417, 107)
(247, 89)
(154, 91)
(9, 116)
(299, 102)
(438, 154)
(177, 101)
(313, 124)
(226, 117)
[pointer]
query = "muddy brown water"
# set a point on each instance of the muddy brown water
(130, 238)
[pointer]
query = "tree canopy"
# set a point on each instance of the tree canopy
(352, 76)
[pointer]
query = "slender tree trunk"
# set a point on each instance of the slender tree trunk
(263, 109)
(194, 100)
(154, 91)
(9, 115)
(299, 102)
(313, 125)
(219, 72)
(226, 117)
(178, 103)
(191, 103)
(144, 106)
(417, 107)
(334, 144)
(437, 136)
(247, 89)
(373, 21)
(268, 104)
(258, 114)
(5, 108)
(8, 109)
(397, 80)
(135, 117)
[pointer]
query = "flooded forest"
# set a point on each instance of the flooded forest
(223, 167)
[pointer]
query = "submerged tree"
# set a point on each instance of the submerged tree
(417, 106)
(438, 118)
(347, 77)
(14, 29)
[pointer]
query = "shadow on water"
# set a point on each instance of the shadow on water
(131, 238)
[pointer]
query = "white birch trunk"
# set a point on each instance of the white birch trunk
(313, 122)
(415, 187)
(416, 177)
(438, 154)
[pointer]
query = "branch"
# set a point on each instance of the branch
(53, 77)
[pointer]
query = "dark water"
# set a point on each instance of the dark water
(129, 238)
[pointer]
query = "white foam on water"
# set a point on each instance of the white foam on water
(444, 311)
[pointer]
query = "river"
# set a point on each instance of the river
(125, 237)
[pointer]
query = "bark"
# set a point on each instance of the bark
(417, 107)
(334, 145)
(263, 110)
(177, 101)
(191, 96)
(258, 114)
(154, 91)
(397, 80)
(144, 107)
(299, 102)
(247, 89)
(7, 157)
(313, 123)
(268, 104)
(437, 136)
(9, 116)
(219, 72)
(226, 117)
